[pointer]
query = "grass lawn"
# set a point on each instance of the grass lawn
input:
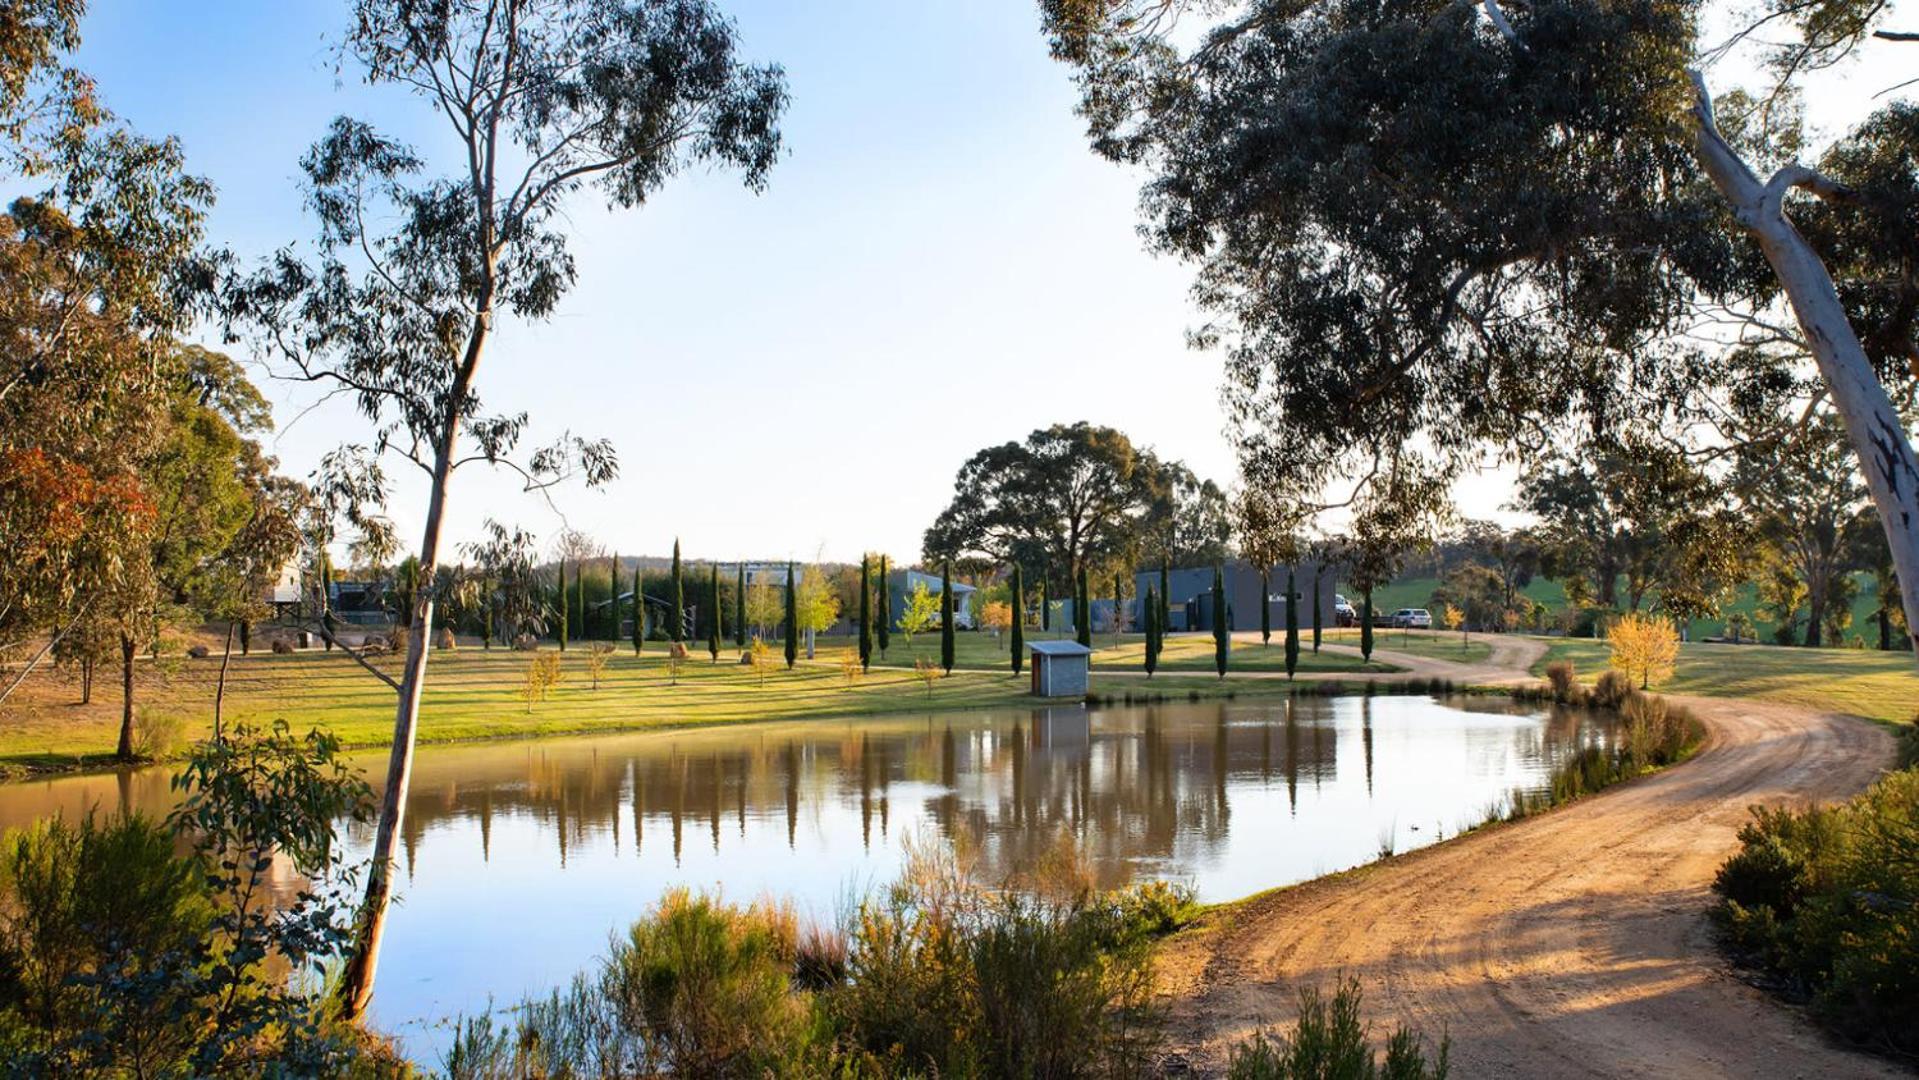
(1876, 685)
(1182, 653)
(1431, 644)
(474, 694)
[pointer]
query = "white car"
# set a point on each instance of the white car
(1413, 618)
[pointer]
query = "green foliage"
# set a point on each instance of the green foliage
(676, 613)
(1827, 898)
(866, 612)
(1366, 626)
(1331, 1042)
(122, 955)
(1152, 608)
(946, 616)
(937, 976)
(713, 614)
(1222, 638)
(885, 613)
(1292, 621)
(1019, 619)
(1082, 610)
(1653, 733)
(792, 623)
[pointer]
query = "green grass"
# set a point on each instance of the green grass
(1418, 592)
(474, 694)
(1876, 685)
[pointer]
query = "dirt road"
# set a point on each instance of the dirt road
(1571, 944)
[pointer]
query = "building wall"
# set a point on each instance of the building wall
(1190, 594)
(1063, 676)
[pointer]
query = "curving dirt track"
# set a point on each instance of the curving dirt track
(1570, 944)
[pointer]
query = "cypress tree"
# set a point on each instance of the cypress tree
(1317, 570)
(792, 621)
(1019, 620)
(713, 620)
(612, 598)
(1151, 607)
(1366, 625)
(1165, 598)
(1292, 624)
(585, 628)
(1083, 611)
(1221, 638)
(1119, 602)
(246, 637)
(677, 631)
(885, 610)
(866, 612)
(946, 616)
(1265, 608)
(1045, 605)
(566, 606)
(739, 608)
(639, 612)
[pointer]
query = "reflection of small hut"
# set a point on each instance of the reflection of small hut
(1060, 668)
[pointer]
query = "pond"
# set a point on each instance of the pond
(519, 859)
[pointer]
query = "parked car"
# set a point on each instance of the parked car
(1412, 618)
(1343, 613)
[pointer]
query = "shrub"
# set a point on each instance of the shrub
(1611, 690)
(444, 639)
(1331, 1042)
(526, 643)
(1560, 674)
(199, 652)
(706, 986)
(1828, 900)
(282, 647)
(157, 734)
(934, 976)
(128, 949)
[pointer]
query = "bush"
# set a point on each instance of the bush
(199, 652)
(1612, 689)
(127, 949)
(1560, 674)
(935, 976)
(1653, 733)
(157, 734)
(444, 639)
(1827, 899)
(1330, 1042)
(282, 647)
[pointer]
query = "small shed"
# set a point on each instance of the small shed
(1060, 668)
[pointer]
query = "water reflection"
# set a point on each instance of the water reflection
(521, 857)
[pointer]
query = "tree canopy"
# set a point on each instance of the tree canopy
(1075, 497)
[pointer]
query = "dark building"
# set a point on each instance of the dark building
(1190, 596)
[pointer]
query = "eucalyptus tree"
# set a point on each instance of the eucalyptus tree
(1310, 157)
(504, 561)
(1800, 484)
(1065, 498)
(100, 269)
(542, 101)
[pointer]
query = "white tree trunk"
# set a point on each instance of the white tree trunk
(1872, 424)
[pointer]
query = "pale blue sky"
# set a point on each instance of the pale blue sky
(938, 264)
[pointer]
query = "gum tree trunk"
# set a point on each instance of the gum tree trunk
(1872, 424)
(356, 984)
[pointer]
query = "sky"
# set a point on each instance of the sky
(938, 264)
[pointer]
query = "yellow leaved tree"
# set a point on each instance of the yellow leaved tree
(1644, 647)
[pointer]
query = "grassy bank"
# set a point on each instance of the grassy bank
(475, 694)
(1875, 685)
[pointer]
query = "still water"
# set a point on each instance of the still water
(521, 858)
